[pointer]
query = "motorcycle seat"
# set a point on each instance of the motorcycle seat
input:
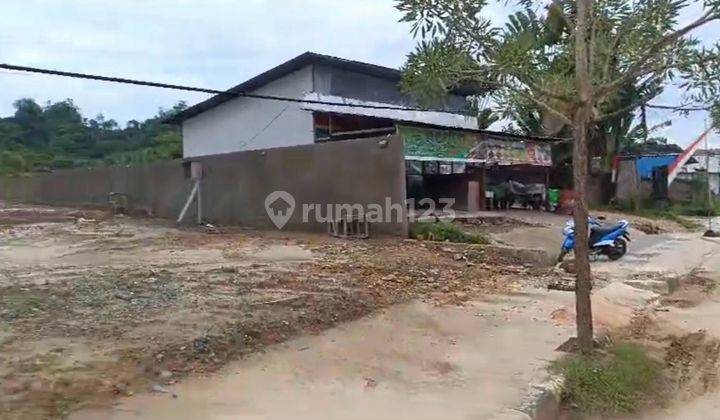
(605, 229)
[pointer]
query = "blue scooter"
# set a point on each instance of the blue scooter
(610, 240)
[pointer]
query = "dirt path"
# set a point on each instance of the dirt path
(95, 307)
(411, 361)
(542, 230)
(696, 311)
(414, 361)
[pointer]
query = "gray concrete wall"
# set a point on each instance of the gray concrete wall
(630, 188)
(362, 171)
(251, 124)
(680, 191)
(599, 189)
(235, 186)
(627, 183)
(158, 189)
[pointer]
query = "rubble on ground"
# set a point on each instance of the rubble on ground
(95, 305)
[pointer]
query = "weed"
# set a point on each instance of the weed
(21, 304)
(673, 213)
(686, 223)
(615, 381)
(445, 232)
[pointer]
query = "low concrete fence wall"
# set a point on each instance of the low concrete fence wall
(159, 189)
(235, 185)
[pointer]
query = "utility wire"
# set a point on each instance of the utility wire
(216, 92)
(679, 108)
(266, 97)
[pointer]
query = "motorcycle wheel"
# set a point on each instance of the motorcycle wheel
(618, 250)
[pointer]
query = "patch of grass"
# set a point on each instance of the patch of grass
(616, 381)
(673, 213)
(21, 304)
(445, 232)
(686, 223)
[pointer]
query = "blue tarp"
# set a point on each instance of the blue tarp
(646, 164)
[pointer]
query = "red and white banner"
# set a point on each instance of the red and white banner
(674, 168)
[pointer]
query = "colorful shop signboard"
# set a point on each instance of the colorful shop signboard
(424, 143)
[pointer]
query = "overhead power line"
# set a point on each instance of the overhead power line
(216, 92)
(136, 82)
(679, 108)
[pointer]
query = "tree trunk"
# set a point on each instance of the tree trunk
(582, 120)
(583, 280)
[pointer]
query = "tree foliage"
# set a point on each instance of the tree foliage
(528, 67)
(40, 138)
(575, 60)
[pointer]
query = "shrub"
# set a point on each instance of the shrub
(445, 232)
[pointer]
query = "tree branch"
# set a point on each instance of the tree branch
(542, 92)
(604, 117)
(638, 68)
(642, 100)
(538, 90)
(543, 105)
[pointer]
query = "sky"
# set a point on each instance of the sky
(211, 43)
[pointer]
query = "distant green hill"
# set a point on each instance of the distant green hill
(38, 138)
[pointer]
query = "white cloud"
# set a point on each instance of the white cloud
(212, 43)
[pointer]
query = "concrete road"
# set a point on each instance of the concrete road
(415, 361)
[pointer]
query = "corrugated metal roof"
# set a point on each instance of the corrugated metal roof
(290, 66)
(426, 118)
(440, 119)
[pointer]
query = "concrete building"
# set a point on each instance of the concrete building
(298, 129)
(333, 99)
(634, 173)
(227, 123)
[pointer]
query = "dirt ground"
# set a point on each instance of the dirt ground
(685, 325)
(679, 331)
(95, 306)
(543, 231)
(424, 361)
